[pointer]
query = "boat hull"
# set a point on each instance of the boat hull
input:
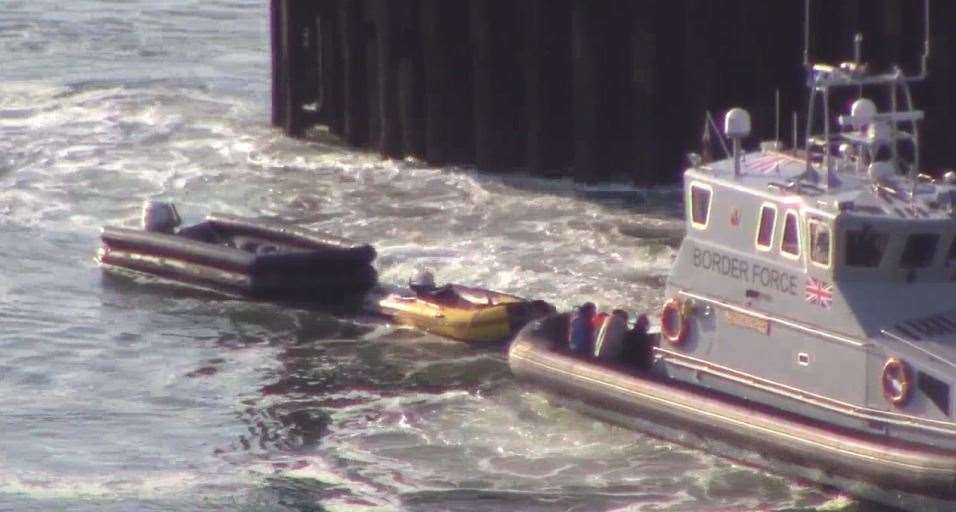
(899, 474)
(215, 255)
(496, 322)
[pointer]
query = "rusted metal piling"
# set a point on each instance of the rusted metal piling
(447, 88)
(588, 88)
(547, 52)
(296, 68)
(355, 97)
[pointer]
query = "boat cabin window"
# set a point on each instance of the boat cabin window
(951, 255)
(935, 389)
(699, 205)
(919, 251)
(765, 226)
(820, 242)
(865, 247)
(790, 244)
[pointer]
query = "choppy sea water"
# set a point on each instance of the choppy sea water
(125, 394)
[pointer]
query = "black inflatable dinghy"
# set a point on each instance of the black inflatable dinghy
(246, 257)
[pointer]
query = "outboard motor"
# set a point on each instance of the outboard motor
(422, 281)
(160, 217)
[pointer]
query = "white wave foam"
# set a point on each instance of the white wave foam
(145, 485)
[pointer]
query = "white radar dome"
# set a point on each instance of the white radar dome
(737, 123)
(880, 172)
(862, 111)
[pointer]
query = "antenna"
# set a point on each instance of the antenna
(806, 33)
(796, 128)
(776, 118)
(720, 137)
(858, 49)
(924, 61)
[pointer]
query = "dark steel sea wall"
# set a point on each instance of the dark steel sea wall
(574, 87)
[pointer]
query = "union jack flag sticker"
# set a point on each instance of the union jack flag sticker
(764, 163)
(819, 293)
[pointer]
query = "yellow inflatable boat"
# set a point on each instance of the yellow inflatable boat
(466, 314)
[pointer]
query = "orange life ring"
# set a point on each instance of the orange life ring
(674, 324)
(897, 381)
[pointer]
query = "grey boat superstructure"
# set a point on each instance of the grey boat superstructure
(820, 280)
(816, 286)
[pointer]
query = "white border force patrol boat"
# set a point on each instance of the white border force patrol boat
(811, 311)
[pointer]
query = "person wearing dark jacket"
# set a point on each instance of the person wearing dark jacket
(608, 340)
(638, 349)
(423, 284)
(581, 330)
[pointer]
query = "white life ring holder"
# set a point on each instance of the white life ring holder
(897, 381)
(674, 324)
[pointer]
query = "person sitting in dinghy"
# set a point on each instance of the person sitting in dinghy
(637, 346)
(609, 336)
(423, 284)
(581, 329)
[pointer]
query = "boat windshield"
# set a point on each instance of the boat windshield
(951, 254)
(820, 244)
(865, 247)
(919, 251)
